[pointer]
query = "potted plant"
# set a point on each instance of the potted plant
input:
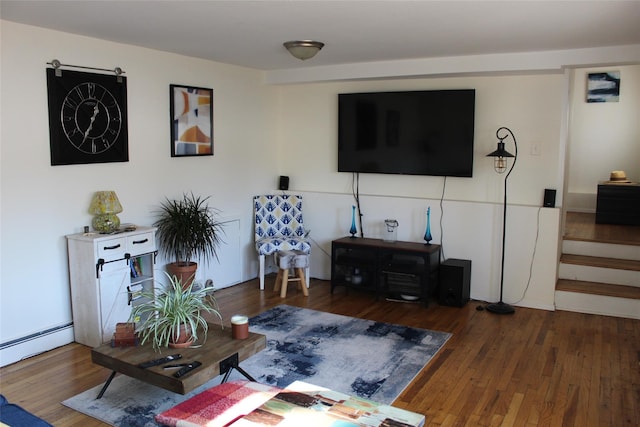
(187, 229)
(175, 316)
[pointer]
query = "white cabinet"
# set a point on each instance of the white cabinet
(107, 272)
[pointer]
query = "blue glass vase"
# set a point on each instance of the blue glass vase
(353, 229)
(427, 233)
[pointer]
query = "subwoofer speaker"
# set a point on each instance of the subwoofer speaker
(455, 282)
(284, 183)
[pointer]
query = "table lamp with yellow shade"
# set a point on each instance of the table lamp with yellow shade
(105, 206)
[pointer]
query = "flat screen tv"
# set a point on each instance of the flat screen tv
(414, 133)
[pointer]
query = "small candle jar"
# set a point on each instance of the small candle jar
(239, 327)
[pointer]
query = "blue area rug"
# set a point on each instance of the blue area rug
(359, 357)
(365, 358)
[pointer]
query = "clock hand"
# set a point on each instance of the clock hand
(93, 119)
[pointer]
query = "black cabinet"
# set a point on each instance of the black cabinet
(618, 204)
(392, 269)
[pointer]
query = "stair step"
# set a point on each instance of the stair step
(598, 249)
(599, 270)
(594, 288)
(582, 227)
(613, 263)
(597, 298)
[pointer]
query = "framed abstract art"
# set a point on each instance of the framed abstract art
(191, 121)
(603, 86)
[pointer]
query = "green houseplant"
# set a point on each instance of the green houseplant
(187, 229)
(175, 316)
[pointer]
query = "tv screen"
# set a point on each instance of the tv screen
(414, 133)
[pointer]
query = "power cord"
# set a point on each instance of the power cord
(355, 190)
(444, 186)
(317, 244)
(533, 257)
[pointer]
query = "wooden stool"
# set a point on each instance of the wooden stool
(291, 260)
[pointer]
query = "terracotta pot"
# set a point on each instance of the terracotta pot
(186, 272)
(184, 340)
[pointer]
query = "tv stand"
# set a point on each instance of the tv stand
(402, 270)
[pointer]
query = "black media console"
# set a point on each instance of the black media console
(405, 270)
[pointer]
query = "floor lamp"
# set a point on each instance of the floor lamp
(500, 157)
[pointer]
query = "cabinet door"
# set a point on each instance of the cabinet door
(114, 297)
(403, 274)
(354, 267)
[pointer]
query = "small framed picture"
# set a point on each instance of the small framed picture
(603, 87)
(191, 121)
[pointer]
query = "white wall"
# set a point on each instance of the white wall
(43, 203)
(531, 106)
(603, 137)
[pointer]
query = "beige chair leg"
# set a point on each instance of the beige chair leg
(285, 280)
(303, 281)
(276, 285)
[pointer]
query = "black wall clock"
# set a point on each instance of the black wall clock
(87, 117)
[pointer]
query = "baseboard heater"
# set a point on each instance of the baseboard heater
(35, 335)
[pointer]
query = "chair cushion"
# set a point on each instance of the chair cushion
(271, 245)
(292, 259)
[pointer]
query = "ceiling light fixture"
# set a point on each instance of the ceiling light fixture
(303, 49)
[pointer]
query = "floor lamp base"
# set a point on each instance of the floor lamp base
(500, 308)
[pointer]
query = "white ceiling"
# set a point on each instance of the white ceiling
(251, 33)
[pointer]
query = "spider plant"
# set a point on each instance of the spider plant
(167, 315)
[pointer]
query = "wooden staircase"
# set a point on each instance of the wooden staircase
(599, 268)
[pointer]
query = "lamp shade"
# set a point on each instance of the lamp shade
(500, 156)
(105, 202)
(500, 151)
(105, 205)
(303, 49)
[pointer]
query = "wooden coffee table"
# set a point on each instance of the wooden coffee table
(218, 355)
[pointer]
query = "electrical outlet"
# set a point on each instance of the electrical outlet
(535, 149)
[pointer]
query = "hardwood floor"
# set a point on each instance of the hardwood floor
(532, 368)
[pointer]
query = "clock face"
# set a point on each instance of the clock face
(87, 118)
(91, 118)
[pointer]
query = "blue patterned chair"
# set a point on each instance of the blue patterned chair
(279, 227)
